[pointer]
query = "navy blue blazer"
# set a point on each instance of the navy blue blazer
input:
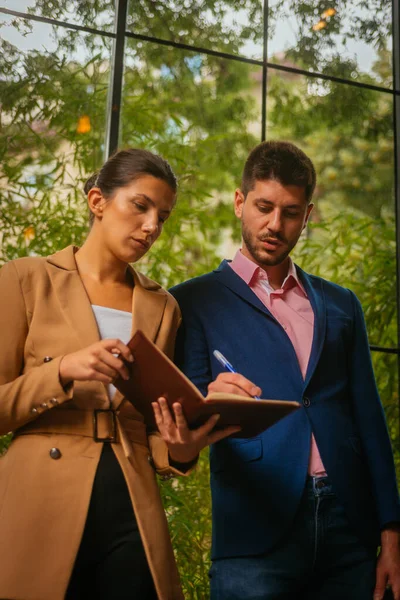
(257, 483)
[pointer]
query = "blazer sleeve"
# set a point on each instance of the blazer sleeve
(370, 418)
(191, 349)
(24, 394)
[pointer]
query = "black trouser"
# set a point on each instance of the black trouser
(111, 563)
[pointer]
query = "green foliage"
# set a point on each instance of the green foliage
(203, 114)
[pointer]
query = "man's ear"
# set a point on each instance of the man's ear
(96, 202)
(309, 209)
(238, 203)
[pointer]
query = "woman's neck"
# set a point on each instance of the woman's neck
(96, 262)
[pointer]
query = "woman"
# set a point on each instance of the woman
(80, 510)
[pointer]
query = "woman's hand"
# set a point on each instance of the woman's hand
(96, 362)
(184, 444)
(234, 383)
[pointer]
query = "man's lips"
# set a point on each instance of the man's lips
(271, 243)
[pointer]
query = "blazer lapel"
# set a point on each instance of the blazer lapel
(72, 296)
(316, 296)
(227, 276)
(148, 305)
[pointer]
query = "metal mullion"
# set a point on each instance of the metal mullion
(260, 63)
(201, 50)
(396, 127)
(264, 73)
(117, 71)
(384, 349)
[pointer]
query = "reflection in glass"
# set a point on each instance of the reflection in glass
(98, 14)
(348, 134)
(227, 26)
(203, 113)
(53, 95)
(349, 39)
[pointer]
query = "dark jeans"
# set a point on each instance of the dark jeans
(111, 563)
(321, 558)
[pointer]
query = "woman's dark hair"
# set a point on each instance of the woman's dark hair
(280, 161)
(125, 166)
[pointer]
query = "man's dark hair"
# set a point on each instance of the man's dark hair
(125, 166)
(282, 162)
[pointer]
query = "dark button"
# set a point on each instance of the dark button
(306, 401)
(319, 484)
(47, 358)
(55, 453)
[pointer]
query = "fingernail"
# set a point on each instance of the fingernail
(216, 417)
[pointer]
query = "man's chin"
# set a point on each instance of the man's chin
(269, 260)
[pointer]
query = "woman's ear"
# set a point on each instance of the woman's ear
(96, 202)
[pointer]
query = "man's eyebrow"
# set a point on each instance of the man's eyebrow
(163, 210)
(266, 201)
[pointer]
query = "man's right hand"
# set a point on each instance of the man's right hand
(234, 383)
(96, 362)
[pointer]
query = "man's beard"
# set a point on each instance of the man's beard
(260, 256)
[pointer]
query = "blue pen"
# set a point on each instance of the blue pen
(227, 365)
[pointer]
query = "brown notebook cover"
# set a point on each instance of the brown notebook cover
(153, 375)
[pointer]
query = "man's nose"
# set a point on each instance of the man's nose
(275, 221)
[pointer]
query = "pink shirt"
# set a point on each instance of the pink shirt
(292, 309)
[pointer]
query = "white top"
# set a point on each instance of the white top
(113, 323)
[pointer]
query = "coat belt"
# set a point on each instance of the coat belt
(101, 425)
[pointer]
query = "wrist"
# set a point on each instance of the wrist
(63, 374)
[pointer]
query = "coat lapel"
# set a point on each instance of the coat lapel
(316, 296)
(148, 305)
(227, 276)
(72, 296)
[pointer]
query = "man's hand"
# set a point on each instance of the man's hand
(184, 444)
(234, 383)
(388, 566)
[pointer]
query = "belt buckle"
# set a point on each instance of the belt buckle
(110, 439)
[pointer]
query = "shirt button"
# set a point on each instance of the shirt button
(47, 359)
(55, 453)
(306, 401)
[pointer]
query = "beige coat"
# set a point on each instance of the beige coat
(45, 314)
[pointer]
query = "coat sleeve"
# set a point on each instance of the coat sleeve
(24, 394)
(191, 350)
(370, 417)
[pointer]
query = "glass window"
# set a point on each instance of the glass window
(203, 114)
(352, 238)
(350, 39)
(228, 26)
(98, 14)
(53, 95)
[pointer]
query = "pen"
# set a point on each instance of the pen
(227, 365)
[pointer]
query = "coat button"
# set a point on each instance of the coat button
(47, 359)
(34, 410)
(306, 401)
(55, 453)
(43, 405)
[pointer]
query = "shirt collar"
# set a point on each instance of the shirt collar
(248, 270)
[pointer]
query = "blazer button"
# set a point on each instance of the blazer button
(47, 358)
(55, 453)
(306, 401)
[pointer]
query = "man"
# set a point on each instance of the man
(299, 511)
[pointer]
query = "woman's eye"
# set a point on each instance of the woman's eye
(140, 206)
